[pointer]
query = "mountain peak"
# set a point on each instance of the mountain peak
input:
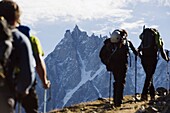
(76, 28)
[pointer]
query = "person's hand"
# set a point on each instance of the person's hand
(167, 53)
(47, 84)
(168, 59)
(108, 68)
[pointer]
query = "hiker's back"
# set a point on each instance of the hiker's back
(22, 62)
(114, 54)
(115, 49)
(150, 43)
(121, 54)
(150, 46)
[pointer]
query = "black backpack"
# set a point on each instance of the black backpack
(108, 52)
(5, 45)
(151, 41)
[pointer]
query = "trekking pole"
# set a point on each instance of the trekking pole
(45, 100)
(168, 78)
(110, 87)
(167, 53)
(49, 98)
(135, 76)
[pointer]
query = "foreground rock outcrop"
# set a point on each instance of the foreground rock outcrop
(160, 105)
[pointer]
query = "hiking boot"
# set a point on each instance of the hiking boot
(117, 105)
(144, 98)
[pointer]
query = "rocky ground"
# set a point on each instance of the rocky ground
(160, 105)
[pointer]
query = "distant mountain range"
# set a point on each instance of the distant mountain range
(77, 74)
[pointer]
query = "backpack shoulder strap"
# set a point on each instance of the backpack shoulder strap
(24, 29)
(5, 44)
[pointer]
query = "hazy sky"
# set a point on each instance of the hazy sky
(49, 19)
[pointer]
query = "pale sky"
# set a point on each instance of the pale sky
(49, 19)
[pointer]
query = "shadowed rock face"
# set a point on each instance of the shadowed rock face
(77, 74)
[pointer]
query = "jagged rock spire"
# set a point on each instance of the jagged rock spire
(76, 28)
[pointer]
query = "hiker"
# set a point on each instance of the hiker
(20, 72)
(40, 68)
(114, 54)
(150, 45)
(6, 97)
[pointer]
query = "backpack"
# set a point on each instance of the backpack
(151, 41)
(5, 45)
(111, 51)
(36, 46)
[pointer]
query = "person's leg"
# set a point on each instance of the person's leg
(119, 76)
(151, 88)
(6, 99)
(30, 102)
(146, 87)
(145, 90)
(149, 67)
(152, 92)
(118, 94)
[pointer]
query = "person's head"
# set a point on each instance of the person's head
(10, 11)
(123, 33)
(117, 35)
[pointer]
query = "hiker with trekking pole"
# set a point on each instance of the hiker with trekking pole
(41, 70)
(151, 44)
(114, 54)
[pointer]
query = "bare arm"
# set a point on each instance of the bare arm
(41, 70)
(164, 55)
(135, 51)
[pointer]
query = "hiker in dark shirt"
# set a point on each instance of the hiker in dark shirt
(6, 98)
(114, 54)
(20, 74)
(149, 50)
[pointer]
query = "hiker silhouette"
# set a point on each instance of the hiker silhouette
(114, 54)
(151, 44)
